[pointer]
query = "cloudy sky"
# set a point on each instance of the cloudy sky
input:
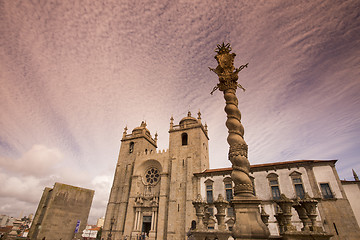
(73, 74)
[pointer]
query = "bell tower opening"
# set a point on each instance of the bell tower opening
(184, 139)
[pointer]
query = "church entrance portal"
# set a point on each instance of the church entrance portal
(146, 225)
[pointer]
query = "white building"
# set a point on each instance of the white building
(293, 178)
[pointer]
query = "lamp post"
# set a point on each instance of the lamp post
(248, 223)
(112, 221)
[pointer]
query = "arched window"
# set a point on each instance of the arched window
(229, 195)
(184, 139)
(131, 147)
(193, 225)
(228, 189)
(209, 190)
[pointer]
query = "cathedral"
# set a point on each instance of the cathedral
(153, 191)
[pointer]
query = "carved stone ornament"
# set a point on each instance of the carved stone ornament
(227, 73)
(238, 149)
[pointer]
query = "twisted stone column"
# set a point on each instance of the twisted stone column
(248, 223)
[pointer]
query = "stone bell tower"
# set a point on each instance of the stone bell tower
(139, 141)
(188, 152)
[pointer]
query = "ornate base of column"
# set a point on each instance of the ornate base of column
(305, 235)
(152, 235)
(248, 223)
(209, 234)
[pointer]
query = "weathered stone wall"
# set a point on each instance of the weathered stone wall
(64, 206)
(352, 190)
(119, 195)
(185, 161)
(39, 215)
(338, 219)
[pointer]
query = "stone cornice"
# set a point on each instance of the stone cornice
(269, 167)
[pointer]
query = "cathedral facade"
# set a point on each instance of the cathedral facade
(153, 191)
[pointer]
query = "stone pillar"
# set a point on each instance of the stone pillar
(162, 214)
(221, 205)
(310, 206)
(281, 221)
(137, 213)
(301, 211)
(248, 223)
(152, 221)
(286, 204)
(264, 216)
(199, 205)
(139, 221)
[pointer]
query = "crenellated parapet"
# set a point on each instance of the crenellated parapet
(153, 154)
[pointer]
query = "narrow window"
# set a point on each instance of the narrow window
(299, 189)
(193, 225)
(275, 190)
(228, 192)
(209, 193)
(298, 184)
(184, 139)
(131, 147)
(337, 233)
(326, 191)
(274, 185)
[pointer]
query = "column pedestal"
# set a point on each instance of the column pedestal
(248, 224)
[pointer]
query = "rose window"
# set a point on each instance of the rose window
(152, 176)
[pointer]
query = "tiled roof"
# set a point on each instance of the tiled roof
(350, 181)
(6, 229)
(95, 229)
